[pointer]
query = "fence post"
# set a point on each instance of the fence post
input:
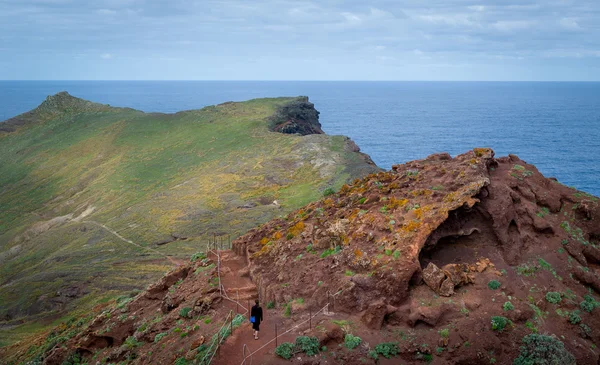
(276, 336)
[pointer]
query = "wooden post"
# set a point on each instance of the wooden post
(275, 335)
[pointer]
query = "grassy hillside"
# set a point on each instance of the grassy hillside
(97, 201)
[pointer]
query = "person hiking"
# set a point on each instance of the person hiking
(256, 317)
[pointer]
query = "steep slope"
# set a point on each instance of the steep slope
(443, 260)
(98, 201)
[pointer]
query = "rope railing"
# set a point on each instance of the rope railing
(220, 336)
(216, 342)
(311, 316)
(215, 248)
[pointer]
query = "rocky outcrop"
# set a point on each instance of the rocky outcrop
(298, 116)
(436, 239)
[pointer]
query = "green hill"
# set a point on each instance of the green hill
(98, 201)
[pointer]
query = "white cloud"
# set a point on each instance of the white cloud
(106, 12)
(513, 25)
(106, 56)
(569, 24)
(479, 8)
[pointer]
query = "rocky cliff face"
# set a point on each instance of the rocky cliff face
(299, 116)
(472, 232)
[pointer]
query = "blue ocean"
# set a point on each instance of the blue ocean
(555, 126)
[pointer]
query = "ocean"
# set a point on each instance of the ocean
(554, 125)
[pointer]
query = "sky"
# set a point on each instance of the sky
(506, 40)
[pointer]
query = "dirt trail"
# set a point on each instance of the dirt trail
(174, 261)
(235, 279)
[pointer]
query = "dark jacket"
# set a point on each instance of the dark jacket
(256, 312)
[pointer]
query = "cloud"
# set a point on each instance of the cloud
(569, 23)
(209, 38)
(513, 25)
(106, 12)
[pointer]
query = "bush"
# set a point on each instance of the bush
(185, 312)
(494, 284)
(132, 343)
(351, 341)
(271, 305)
(499, 323)
(589, 303)
(445, 333)
(198, 256)
(508, 306)
(373, 355)
(287, 311)
(587, 306)
(543, 350)
(159, 336)
(387, 349)
(574, 317)
(328, 191)
(181, 361)
(331, 251)
(553, 297)
(308, 345)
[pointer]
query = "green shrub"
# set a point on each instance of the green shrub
(351, 341)
(238, 320)
(543, 350)
(494, 284)
(349, 273)
(373, 355)
(331, 251)
(185, 312)
(587, 331)
(499, 323)
(574, 317)
(271, 305)
(328, 191)
(132, 343)
(589, 303)
(387, 349)
(553, 297)
(308, 345)
(159, 336)
(198, 256)
(181, 361)
(289, 236)
(508, 306)
(73, 359)
(587, 306)
(444, 333)
(285, 350)
(287, 311)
